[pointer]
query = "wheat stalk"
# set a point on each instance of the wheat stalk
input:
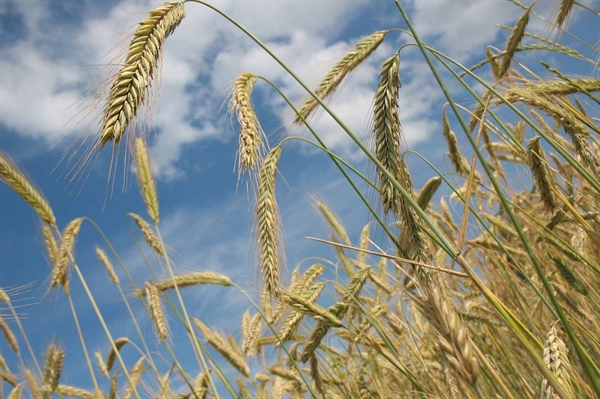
(131, 84)
(15, 179)
(334, 77)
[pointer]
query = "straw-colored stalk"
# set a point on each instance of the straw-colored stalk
(132, 83)
(15, 179)
(268, 223)
(146, 178)
(250, 145)
(336, 75)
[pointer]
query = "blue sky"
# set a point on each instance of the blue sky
(51, 50)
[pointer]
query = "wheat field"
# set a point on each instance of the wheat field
(492, 291)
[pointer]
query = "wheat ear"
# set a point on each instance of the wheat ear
(513, 42)
(132, 83)
(15, 179)
(112, 354)
(156, 310)
(557, 359)
(564, 10)
(334, 77)
(268, 222)
(146, 178)
(112, 274)
(541, 174)
(148, 233)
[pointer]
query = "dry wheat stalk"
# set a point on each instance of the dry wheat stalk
(541, 174)
(224, 348)
(156, 310)
(146, 178)
(132, 83)
(148, 233)
(188, 280)
(59, 273)
(112, 274)
(268, 223)
(513, 42)
(9, 336)
(387, 132)
(250, 145)
(334, 77)
(557, 359)
(112, 355)
(15, 179)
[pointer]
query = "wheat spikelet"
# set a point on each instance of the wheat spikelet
(101, 364)
(386, 128)
(268, 223)
(252, 335)
(250, 145)
(59, 273)
(335, 76)
(136, 375)
(156, 310)
(148, 233)
(112, 274)
(112, 355)
(131, 84)
(146, 178)
(309, 308)
(224, 348)
(291, 323)
(16, 392)
(68, 390)
(15, 179)
(51, 245)
(513, 42)
(557, 359)
(9, 336)
(543, 178)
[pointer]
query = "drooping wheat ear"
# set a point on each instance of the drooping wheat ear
(49, 364)
(564, 10)
(51, 245)
(386, 129)
(556, 357)
(428, 191)
(156, 310)
(15, 179)
(59, 273)
(334, 77)
(292, 321)
(224, 348)
(543, 178)
(333, 222)
(250, 145)
(460, 164)
(287, 374)
(33, 385)
(112, 274)
(188, 280)
(148, 233)
(493, 62)
(479, 110)
(252, 335)
(513, 42)
(4, 296)
(563, 88)
(132, 83)
(146, 178)
(136, 375)
(364, 242)
(268, 223)
(75, 392)
(112, 355)
(201, 385)
(339, 310)
(101, 364)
